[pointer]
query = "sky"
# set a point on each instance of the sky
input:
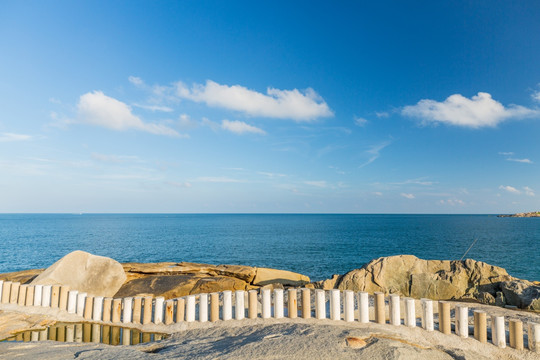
(269, 107)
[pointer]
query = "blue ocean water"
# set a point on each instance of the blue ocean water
(315, 245)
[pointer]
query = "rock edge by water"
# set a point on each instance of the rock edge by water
(523, 215)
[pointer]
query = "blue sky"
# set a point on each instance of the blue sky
(209, 106)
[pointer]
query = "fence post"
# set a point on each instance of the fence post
(462, 321)
(169, 311)
(320, 304)
(266, 303)
(363, 307)
(214, 307)
(480, 326)
(1, 291)
(516, 334)
(410, 312)
(306, 303)
(190, 308)
(137, 308)
(6, 292)
(158, 310)
(107, 309)
(38, 293)
(98, 308)
(498, 334)
(203, 307)
(380, 311)
(22, 295)
(227, 305)
(348, 305)
(427, 314)
(88, 305)
(533, 333)
(30, 295)
(252, 304)
(116, 310)
(278, 303)
(81, 299)
(46, 296)
(62, 302)
(335, 304)
(127, 314)
(180, 310)
(147, 310)
(239, 305)
(444, 318)
(14, 292)
(395, 315)
(55, 296)
(292, 303)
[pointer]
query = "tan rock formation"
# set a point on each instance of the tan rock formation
(408, 275)
(265, 276)
(82, 271)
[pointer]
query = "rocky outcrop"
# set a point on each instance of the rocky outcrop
(522, 215)
(172, 280)
(82, 271)
(408, 275)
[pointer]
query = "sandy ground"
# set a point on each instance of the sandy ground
(262, 339)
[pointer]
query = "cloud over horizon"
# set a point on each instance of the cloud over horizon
(293, 104)
(240, 127)
(479, 111)
(6, 137)
(96, 108)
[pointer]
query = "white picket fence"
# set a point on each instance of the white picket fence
(334, 304)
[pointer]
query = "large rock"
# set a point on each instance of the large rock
(266, 276)
(172, 280)
(173, 286)
(521, 293)
(82, 271)
(408, 275)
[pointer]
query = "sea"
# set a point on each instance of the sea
(317, 245)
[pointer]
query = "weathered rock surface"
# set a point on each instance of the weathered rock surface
(172, 280)
(408, 275)
(82, 271)
(522, 215)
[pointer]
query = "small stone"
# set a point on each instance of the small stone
(356, 342)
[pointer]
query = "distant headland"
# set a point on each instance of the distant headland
(527, 214)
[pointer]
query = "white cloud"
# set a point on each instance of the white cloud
(116, 159)
(135, 80)
(154, 107)
(179, 184)
(240, 127)
(408, 196)
(536, 96)
(360, 121)
(375, 152)
(528, 191)
(525, 161)
(218, 179)
(318, 183)
(479, 111)
(7, 137)
(382, 114)
(281, 104)
(452, 202)
(378, 193)
(509, 153)
(270, 174)
(96, 108)
(510, 189)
